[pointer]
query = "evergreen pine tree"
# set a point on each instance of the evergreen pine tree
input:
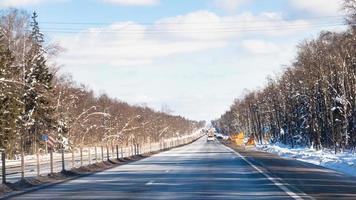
(38, 111)
(9, 104)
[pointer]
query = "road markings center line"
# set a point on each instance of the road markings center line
(275, 181)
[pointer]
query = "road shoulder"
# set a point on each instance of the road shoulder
(301, 177)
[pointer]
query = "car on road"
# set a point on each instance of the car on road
(211, 136)
(210, 139)
(220, 136)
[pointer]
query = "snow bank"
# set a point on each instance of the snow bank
(344, 162)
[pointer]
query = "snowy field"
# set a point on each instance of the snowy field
(344, 161)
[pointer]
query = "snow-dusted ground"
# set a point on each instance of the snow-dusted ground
(343, 162)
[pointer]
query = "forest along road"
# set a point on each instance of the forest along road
(204, 170)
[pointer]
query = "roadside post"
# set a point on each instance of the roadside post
(3, 167)
(117, 152)
(51, 160)
(63, 164)
(73, 159)
(149, 138)
(102, 153)
(81, 156)
(22, 163)
(107, 153)
(89, 155)
(38, 164)
(96, 154)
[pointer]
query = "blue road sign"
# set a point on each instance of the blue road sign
(45, 137)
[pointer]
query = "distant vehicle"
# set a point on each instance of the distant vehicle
(220, 136)
(211, 137)
(225, 137)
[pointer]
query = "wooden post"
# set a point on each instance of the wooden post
(122, 152)
(117, 152)
(63, 164)
(51, 160)
(3, 171)
(22, 164)
(107, 153)
(81, 156)
(89, 155)
(22, 159)
(73, 159)
(102, 153)
(96, 154)
(38, 162)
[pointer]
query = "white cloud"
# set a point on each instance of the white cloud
(260, 47)
(132, 2)
(125, 44)
(229, 5)
(201, 25)
(270, 23)
(130, 43)
(19, 3)
(14, 3)
(320, 7)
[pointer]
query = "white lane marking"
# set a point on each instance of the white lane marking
(168, 171)
(149, 183)
(275, 181)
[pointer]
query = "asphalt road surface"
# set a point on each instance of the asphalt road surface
(207, 171)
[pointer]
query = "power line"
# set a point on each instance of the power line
(217, 26)
(226, 21)
(200, 30)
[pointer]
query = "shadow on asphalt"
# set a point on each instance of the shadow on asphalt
(204, 171)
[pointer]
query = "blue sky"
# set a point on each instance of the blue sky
(195, 56)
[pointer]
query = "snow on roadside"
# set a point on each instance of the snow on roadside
(344, 162)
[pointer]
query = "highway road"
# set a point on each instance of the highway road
(204, 170)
